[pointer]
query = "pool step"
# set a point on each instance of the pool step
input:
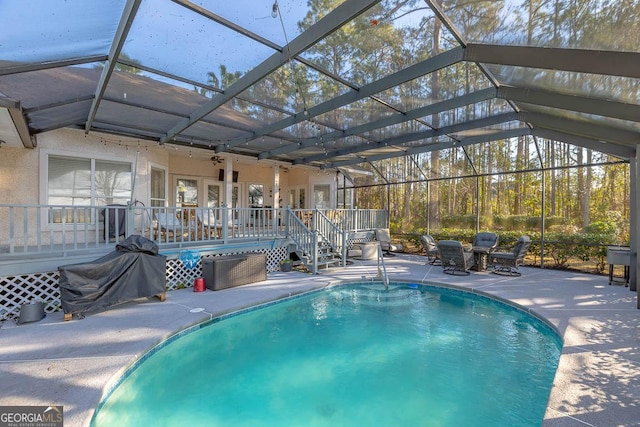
(370, 295)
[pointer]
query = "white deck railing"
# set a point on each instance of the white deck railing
(59, 230)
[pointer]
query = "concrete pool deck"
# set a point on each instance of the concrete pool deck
(53, 362)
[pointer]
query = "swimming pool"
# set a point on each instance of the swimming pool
(351, 355)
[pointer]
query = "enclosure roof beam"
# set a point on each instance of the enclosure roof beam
(342, 14)
(403, 139)
(417, 70)
(128, 14)
(427, 110)
(586, 129)
(606, 62)
(379, 172)
(622, 151)
(225, 22)
(511, 133)
(237, 28)
(25, 68)
(583, 104)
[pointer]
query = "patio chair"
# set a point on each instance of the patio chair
(384, 237)
(168, 226)
(486, 240)
(507, 262)
(455, 258)
(431, 248)
(208, 226)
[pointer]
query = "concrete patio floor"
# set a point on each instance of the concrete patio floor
(52, 362)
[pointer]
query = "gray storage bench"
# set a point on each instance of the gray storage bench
(222, 272)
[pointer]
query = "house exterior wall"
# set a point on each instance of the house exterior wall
(323, 179)
(298, 177)
(200, 167)
(19, 175)
(23, 181)
(74, 142)
(23, 171)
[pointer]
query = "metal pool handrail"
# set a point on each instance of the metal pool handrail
(382, 269)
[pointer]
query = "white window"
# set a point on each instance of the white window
(158, 187)
(345, 198)
(256, 195)
(84, 182)
(297, 198)
(186, 192)
(322, 196)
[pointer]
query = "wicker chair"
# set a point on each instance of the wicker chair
(168, 226)
(486, 240)
(455, 258)
(507, 263)
(431, 248)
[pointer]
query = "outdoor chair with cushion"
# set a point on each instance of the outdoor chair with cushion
(168, 226)
(431, 248)
(483, 244)
(507, 262)
(384, 237)
(486, 239)
(207, 224)
(455, 258)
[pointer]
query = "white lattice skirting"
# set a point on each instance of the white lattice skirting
(18, 290)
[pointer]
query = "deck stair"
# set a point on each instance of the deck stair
(318, 244)
(328, 256)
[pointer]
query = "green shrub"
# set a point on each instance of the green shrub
(504, 222)
(459, 221)
(552, 221)
(562, 245)
(603, 228)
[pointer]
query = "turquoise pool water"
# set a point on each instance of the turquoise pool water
(350, 355)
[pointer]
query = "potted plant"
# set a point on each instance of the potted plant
(286, 264)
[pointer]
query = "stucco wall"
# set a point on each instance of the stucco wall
(21, 168)
(199, 166)
(21, 181)
(74, 142)
(19, 175)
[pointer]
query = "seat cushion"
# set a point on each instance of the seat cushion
(396, 247)
(488, 240)
(383, 235)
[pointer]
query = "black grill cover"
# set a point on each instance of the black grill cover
(133, 270)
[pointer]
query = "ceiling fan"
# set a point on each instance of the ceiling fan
(217, 160)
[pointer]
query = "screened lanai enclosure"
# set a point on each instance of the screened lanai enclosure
(514, 115)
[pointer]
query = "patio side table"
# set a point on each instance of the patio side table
(481, 255)
(369, 250)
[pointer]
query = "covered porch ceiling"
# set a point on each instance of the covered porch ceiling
(327, 84)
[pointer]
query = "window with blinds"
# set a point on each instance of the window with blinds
(85, 182)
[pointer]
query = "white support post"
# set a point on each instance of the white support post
(228, 191)
(276, 187)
